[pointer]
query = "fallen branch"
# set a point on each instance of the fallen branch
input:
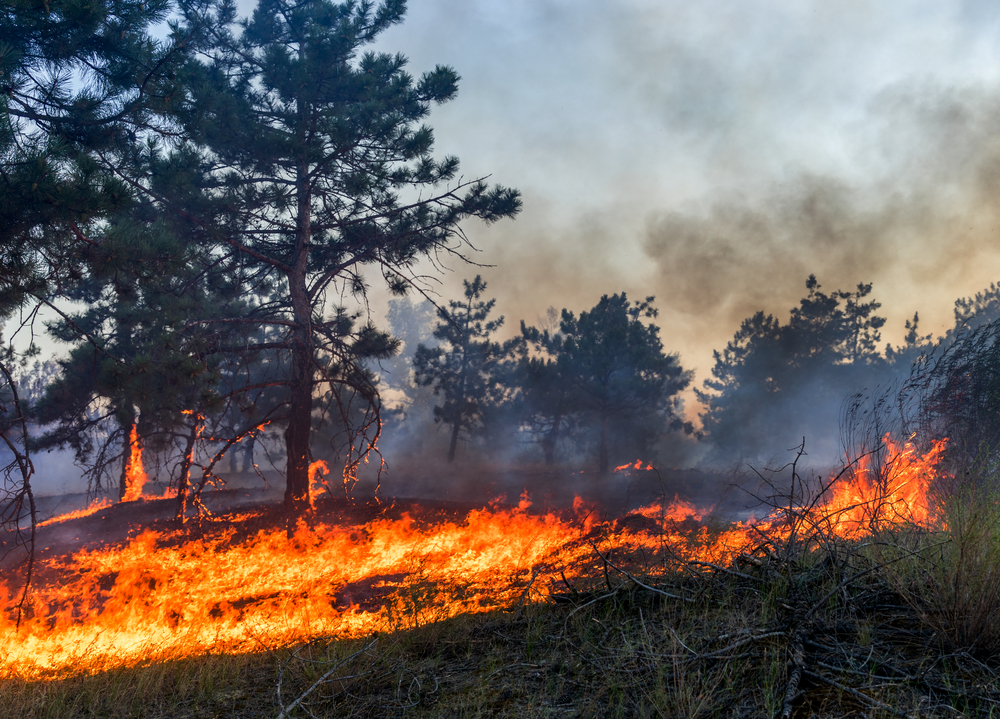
(286, 710)
(621, 571)
(856, 694)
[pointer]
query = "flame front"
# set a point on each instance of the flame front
(164, 594)
(135, 475)
(78, 513)
(155, 598)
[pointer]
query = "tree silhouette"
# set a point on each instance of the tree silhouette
(608, 368)
(780, 381)
(463, 370)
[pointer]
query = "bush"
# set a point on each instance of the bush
(951, 577)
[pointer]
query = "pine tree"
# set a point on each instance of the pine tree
(775, 383)
(138, 367)
(299, 161)
(463, 370)
(548, 397)
(77, 78)
(612, 371)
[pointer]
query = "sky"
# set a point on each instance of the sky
(714, 154)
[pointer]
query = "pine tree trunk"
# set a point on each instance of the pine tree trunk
(603, 463)
(297, 434)
(454, 440)
(298, 430)
(185, 479)
(551, 440)
(126, 458)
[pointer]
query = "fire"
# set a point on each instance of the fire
(135, 475)
(637, 465)
(162, 595)
(79, 513)
(317, 468)
(168, 594)
(897, 491)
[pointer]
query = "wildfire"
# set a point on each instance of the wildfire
(896, 491)
(166, 594)
(319, 469)
(79, 513)
(636, 466)
(135, 475)
(162, 595)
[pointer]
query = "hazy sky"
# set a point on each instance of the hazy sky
(713, 154)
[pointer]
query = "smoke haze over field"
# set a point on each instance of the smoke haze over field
(714, 154)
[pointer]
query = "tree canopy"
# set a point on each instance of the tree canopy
(775, 383)
(299, 168)
(464, 369)
(607, 367)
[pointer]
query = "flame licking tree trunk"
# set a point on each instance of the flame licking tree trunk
(299, 426)
(133, 476)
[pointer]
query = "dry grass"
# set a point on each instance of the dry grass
(901, 624)
(951, 577)
(726, 644)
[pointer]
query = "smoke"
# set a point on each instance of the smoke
(923, 229)
(714, 154)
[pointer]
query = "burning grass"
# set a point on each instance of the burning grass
(859, 597)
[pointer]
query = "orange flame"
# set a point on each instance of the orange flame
(636, 465)
(165, 594)
(153, 598)
(78, 514)
(135, 475)
(319, 467)
(898, 491)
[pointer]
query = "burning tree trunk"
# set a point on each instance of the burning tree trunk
(184, 481)
(133, 476)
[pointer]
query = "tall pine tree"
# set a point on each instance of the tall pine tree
(463, 371)
(300, 161)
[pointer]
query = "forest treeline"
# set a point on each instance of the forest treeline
(199, 205)
(600, 388)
